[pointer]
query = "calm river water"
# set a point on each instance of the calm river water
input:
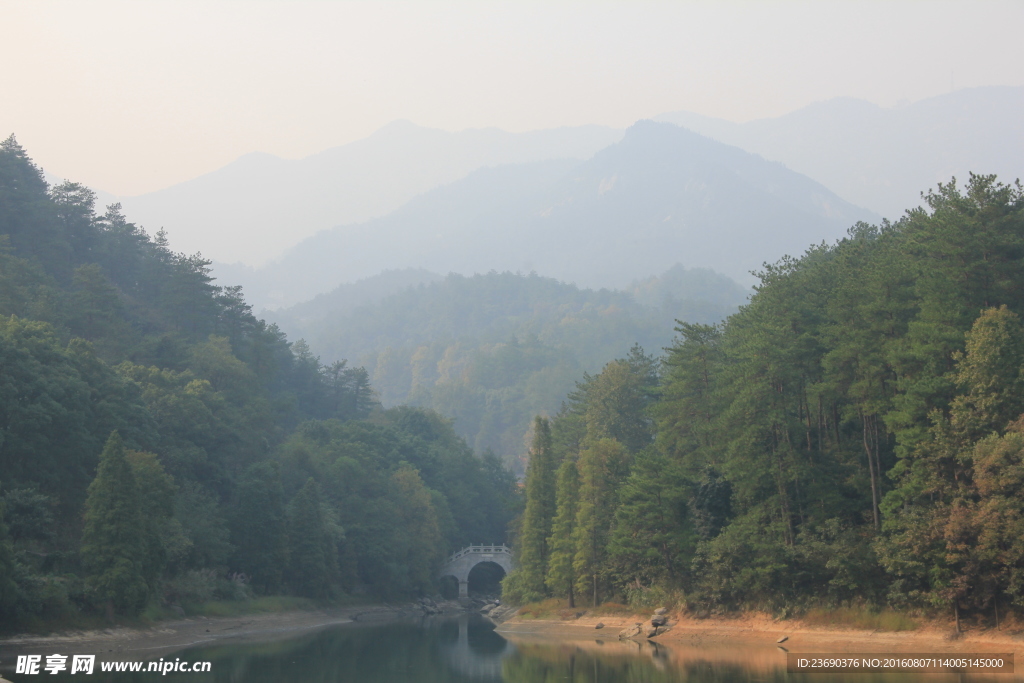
(467, 648)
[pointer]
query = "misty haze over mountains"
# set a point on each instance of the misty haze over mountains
(259, 205)
(662, 195)
(409, 196)
(361, 238)
(882, 159)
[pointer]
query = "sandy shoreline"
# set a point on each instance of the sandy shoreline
(749, 642)
(753, 630)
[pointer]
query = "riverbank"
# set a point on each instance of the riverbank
(715, 637)
(170, 636)
(760, 630)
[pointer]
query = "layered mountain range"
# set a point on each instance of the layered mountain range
(661, 196)
(883, 158)
(592, 205)
(255, 208)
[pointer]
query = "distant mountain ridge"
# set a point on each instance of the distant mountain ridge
(345, 298)
(882, 159)
(356, 319)
(661, 196)
(354, 252)
(259, 205)
(492, 351)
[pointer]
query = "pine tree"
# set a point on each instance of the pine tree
(617, 399)
(561, 578)
(989, 373)
(312, 555)
(156, 490)
(650, 541)
(26, 213)
(114, 540)
(539, 512)
(686, 410)
(259, 529)
(598, 465)
(419, 535)
(955, 513)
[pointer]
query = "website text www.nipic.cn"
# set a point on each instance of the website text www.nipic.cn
(86, 664)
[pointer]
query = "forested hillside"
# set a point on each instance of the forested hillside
(491, 351)
(160, 446)
(854, 435)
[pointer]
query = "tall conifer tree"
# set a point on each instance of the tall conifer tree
(598, 465)
(313, 561)
(114, 539)
(259, 532)
(540, 510)
(561, 577)
(156, 491)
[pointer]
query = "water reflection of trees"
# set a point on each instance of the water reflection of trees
(395, 652)
(468, 650)
(544, 663)
(649, 663)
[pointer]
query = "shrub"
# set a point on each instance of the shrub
(866, 618)
(233, 587)
(191, 587)
(651, 598)
(514, 592)
(552, 608)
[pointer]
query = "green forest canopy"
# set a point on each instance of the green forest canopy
(493, 350)
(854, 435)
(140, 401)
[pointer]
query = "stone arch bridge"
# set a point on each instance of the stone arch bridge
(461, 563)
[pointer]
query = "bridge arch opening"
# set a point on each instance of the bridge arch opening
(462, 562)
(485, 578)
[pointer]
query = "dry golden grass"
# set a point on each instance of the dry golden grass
(552, 608)
(860, 617)
(558, 608)
(610, 609)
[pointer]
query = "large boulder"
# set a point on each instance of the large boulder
(660, 611)
(659, 620)
(631, 631)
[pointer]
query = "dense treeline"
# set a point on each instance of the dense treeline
(852, 435)
(160, 445)
(493, 350)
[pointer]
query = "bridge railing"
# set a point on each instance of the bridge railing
(468, 550)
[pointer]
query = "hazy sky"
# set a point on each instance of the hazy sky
(130, 97)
